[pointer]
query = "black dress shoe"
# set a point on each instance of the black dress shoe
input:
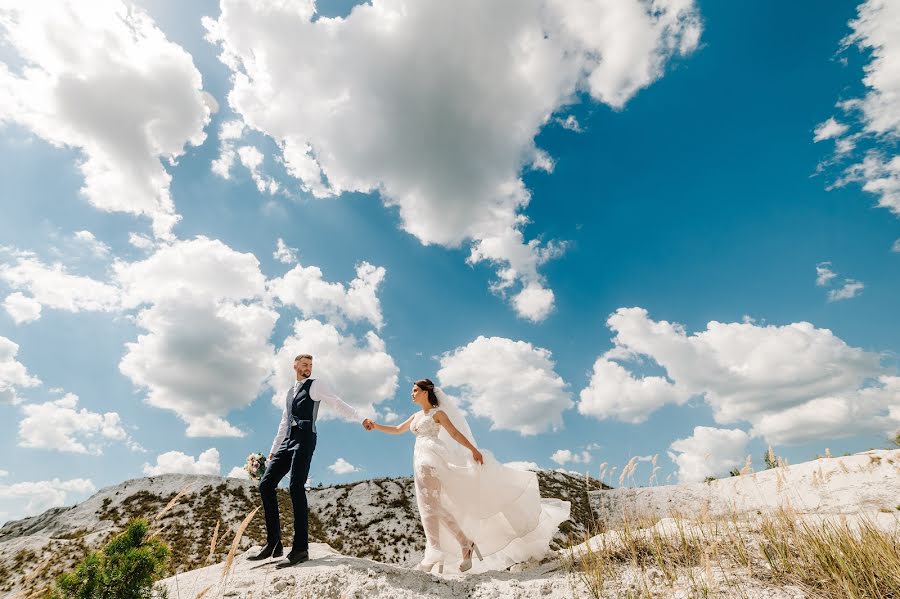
(293, 558)
(268, 551)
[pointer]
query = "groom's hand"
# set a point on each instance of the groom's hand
(270, 456)
(368, 424)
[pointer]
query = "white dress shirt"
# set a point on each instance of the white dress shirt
(318, 391)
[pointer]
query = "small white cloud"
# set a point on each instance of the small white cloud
(54, 287)
(176, 462)
(708, 452)
(4, 473)
(59, 425)
(342, 466)
(570, 123)
(94, 245)
(283, 253)
(252, 158)
(391, 416)
(142, 242)
(13, 374)
(829, 130)
(564, 456)
(896, 246)
(824, 274)
(238, 472)
(848, 290)
(21, 308)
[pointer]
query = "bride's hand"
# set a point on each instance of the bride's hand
(476, 455)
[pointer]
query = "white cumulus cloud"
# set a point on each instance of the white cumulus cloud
(205, 349)
(708, 452)
(745, 372)
(511, 383)
(564, 456)
(123, 95)
(342, 466)
(238, 472)
(413, 114)
(59, 425)
(304, 287)
(176, 462)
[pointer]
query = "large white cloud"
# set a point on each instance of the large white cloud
(25, 499)
(436, 104)
(360, 371)
(708, 452)
(13, 374)
(101, 77)
(511, 383)
(59, 425)
(176, 462)
(206, 350)
(763, 375)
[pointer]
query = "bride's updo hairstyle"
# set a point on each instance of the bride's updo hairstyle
(428, 386)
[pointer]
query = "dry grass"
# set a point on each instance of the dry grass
(213, 542)
(824, 560)
(237, 539)
(172, 502)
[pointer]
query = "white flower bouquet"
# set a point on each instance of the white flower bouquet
(255, 466)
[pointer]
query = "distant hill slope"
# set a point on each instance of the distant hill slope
(375, 519)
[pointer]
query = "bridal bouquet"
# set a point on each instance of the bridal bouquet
(255, 466)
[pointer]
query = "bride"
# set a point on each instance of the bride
(470, 503)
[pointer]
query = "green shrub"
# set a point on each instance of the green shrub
(126, 568)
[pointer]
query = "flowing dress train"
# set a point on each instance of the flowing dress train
(498, 507)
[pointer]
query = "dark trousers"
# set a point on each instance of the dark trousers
(293, 456)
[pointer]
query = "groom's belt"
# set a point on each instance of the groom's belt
(303, 425)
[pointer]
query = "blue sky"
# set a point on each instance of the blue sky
(686, 193)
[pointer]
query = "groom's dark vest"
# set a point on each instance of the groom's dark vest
(303, 409)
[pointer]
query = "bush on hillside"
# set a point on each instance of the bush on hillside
(126, 568)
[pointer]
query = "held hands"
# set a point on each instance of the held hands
(368, 424)
(476, 455)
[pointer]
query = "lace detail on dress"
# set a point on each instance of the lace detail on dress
(424, 425)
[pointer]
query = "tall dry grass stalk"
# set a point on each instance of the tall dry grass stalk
(213, 542)
(237, 539)
(173, 501)
(203, 593)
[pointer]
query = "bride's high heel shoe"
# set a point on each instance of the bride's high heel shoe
(423, 567)
(466, 564)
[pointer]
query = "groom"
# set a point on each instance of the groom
(292, 452)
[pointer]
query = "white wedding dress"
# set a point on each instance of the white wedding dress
(498, 507)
